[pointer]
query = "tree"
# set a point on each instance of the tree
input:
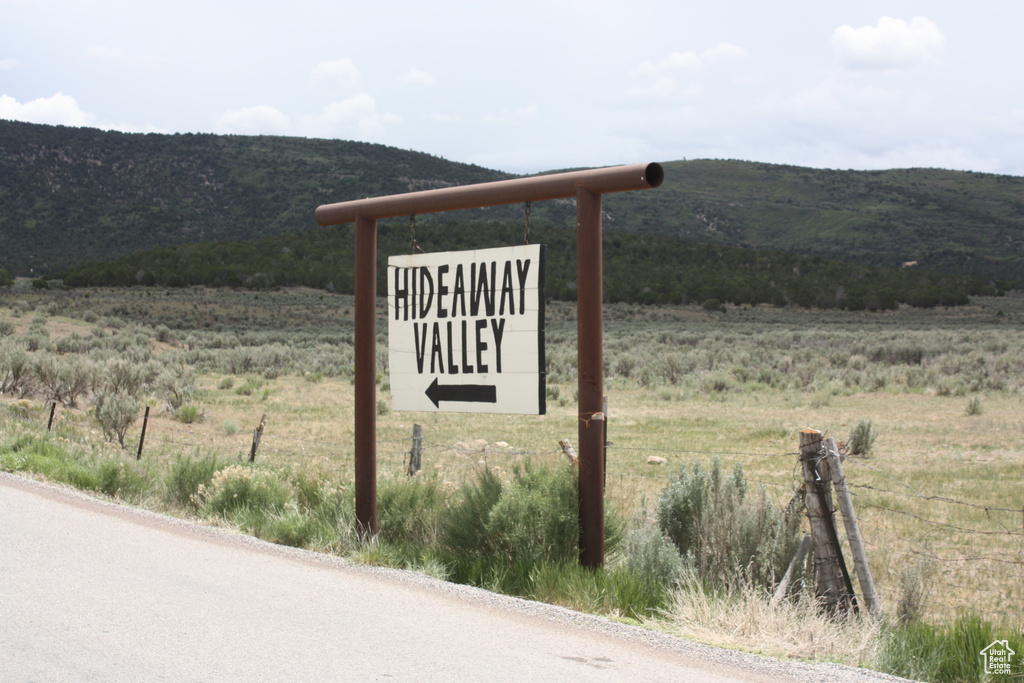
(116, 412)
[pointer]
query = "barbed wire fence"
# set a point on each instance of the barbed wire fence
(969, 554)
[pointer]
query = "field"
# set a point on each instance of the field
(940, 493)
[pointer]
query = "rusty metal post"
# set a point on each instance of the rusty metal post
(366, 375)
(590, 371)
(142, 437)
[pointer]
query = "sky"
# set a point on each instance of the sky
(528, 86)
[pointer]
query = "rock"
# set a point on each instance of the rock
(655, 460)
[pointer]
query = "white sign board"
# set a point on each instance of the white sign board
(466, 331)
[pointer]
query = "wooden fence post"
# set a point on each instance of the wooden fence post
(830, 587)
(569, 451)
(801, 552)
(53, 408)
(860, 558)
(142, 437)
(416, 454)
(256, 436)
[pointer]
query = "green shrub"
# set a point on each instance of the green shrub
(728, 536)
(537, 516)
(63, 380)
(914, 582)
(495, 535)
(123, 376)
(974, 406)
(176, 385)
(409, 510)
(162, 333)
(862, 438)
(189, 414)
(118, 479)
(240, 487)
(649, 554)
(252, 384)
(16, 376)
(115, 413)
(185, 477)
(464, 528)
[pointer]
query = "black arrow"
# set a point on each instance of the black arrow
(462, 393)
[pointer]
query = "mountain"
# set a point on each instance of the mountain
(952, 221)
(70, 196)
(74, 195)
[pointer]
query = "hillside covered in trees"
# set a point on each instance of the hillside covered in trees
(641, 269)
(70, 196)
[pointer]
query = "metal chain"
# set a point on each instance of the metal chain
(526, 228)
(413, 244)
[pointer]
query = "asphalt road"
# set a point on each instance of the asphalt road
(94, 591)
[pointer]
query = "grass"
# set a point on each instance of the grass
(683, 384)
(948, 651)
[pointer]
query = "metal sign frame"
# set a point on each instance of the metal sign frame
(587, 187)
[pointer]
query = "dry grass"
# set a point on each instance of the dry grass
(797, 629)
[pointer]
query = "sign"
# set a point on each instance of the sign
(466, 331)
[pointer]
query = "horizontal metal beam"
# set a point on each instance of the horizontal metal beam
(534, 188)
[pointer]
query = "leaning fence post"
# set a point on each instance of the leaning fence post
(416, 454)
(53, 408)
(830, 586)
(142, 437)
(801, 552)
(860, 558)
(256, 436)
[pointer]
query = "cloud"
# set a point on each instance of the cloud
(891, 44)
(355, 117)
(9, 64)
(691, 61)
(58, 110)
(687, 61)
(259, 120)
(724, 52)
(340, 73)
(416, 77)
(658, 80)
